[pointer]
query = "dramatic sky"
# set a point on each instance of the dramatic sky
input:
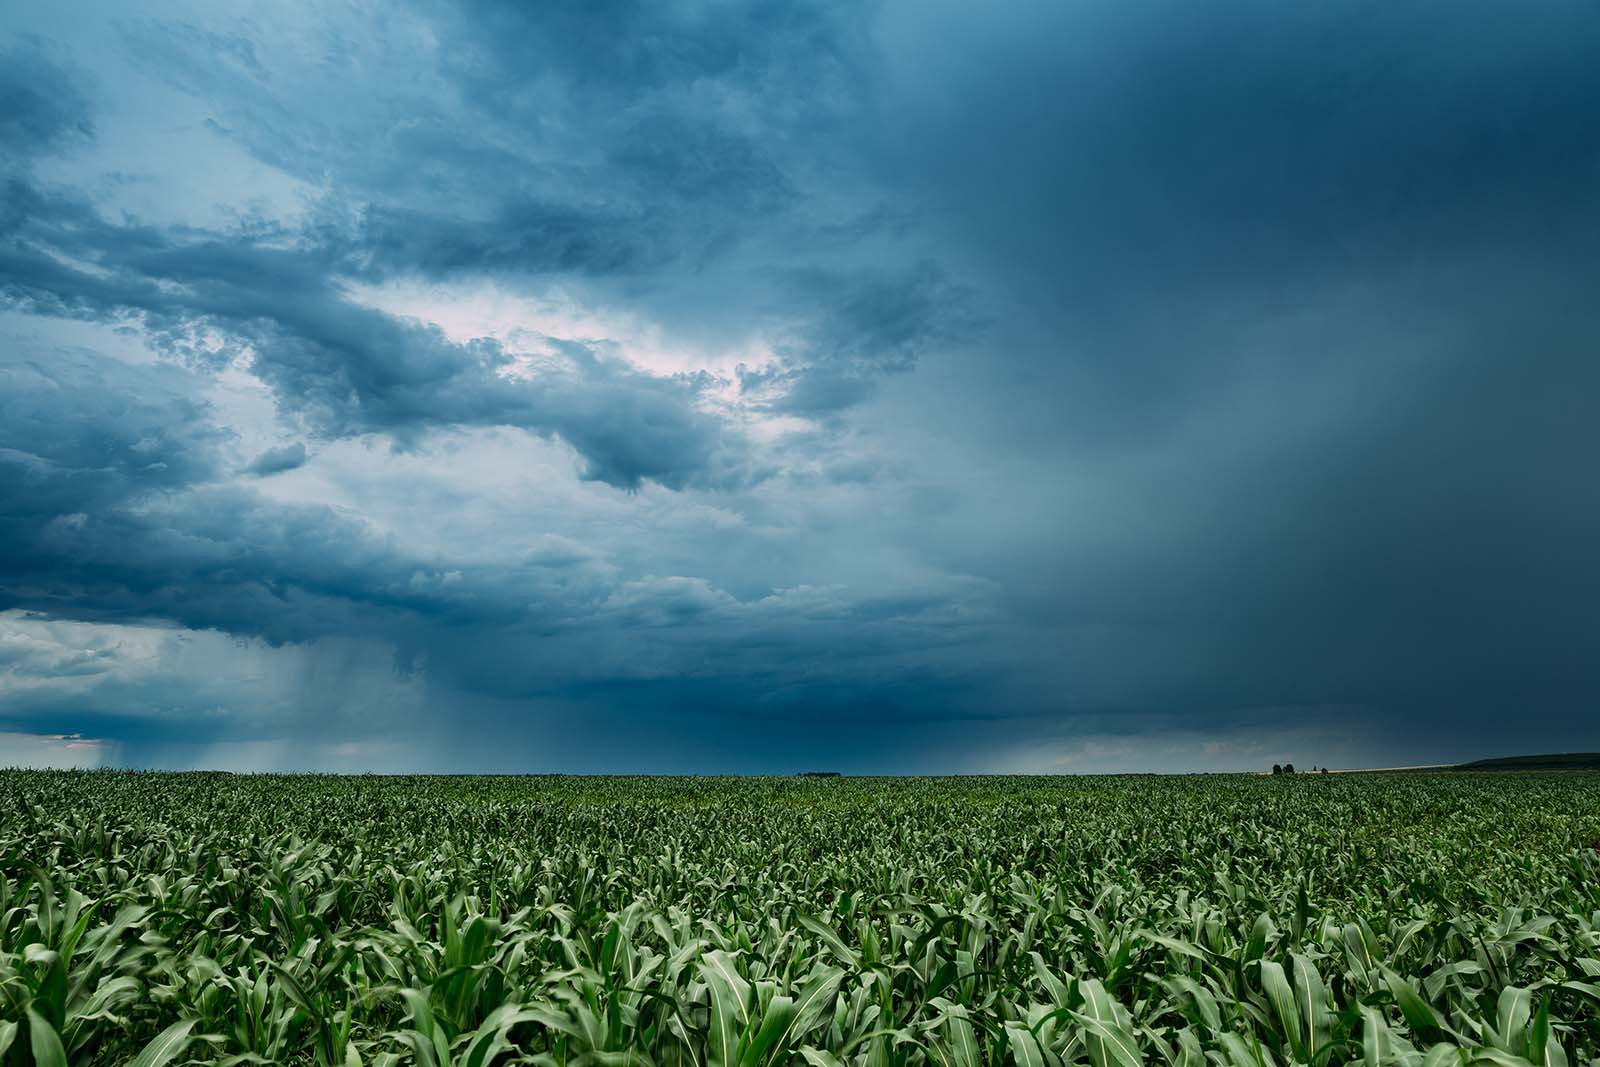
(712, 386)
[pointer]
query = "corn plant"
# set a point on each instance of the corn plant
(1422, 920)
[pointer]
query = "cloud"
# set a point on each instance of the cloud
(128, 540)
(276, 295)
(682, 175)
(346, 369)
(278, 460)
(41, 107)
(81, 433)
(50, 750)
(897, 386)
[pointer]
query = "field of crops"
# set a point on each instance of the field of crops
(1234, 921)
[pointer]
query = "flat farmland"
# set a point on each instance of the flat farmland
(1234, 921)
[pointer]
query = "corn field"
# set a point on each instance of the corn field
(1233, 921)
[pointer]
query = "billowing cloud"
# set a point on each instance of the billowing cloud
(896, 386)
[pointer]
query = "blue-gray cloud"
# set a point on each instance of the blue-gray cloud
(118, 513)
(958, 384)
(41, 106)
(278, 460)
(345, 369)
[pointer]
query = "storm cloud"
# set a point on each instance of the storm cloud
(897, 386)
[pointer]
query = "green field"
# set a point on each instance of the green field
(1232, 920)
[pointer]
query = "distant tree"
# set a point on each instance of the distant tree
(1288, 768)
(1324, 770)
(1277, 768)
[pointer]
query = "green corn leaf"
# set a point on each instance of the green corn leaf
(1281, 996)
(165, 1046)
(44, 1042)
(963, 1042)
(775, 1022)
(490, 1039)
(1443, 1055)
(1311, 997)
(830, 937)
(1494, 1057)
(1380, 1045)
(1418, 1015)
(1539, 1042)
(1262, 932)
(1190, 1053)
(811, 1005)
(1108, 1042)
(1241, 1054)
(1511, 1017)
(1048, 978)
(1178, 945)
(1357, 953)
(730, 1007)
(1435, 984)
(1204, 1003)
(817, 1057)
(1024, 1046)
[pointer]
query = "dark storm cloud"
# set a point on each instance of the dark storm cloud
(676, 170)
(104, 468)
(41, 107)
(1294, 305)
(112, 510)
(668, 192)
(1197, 173)
(76, 439)
(879, 323)
(278, 460)
(114, 514)
(1194, 371)
(703, 166)
(346, 369)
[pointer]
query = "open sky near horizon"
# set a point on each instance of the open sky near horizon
(897, 386)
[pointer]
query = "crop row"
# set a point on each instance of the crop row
(1175, 922)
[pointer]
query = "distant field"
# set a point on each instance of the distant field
(1219, 921)
(1570, 761)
